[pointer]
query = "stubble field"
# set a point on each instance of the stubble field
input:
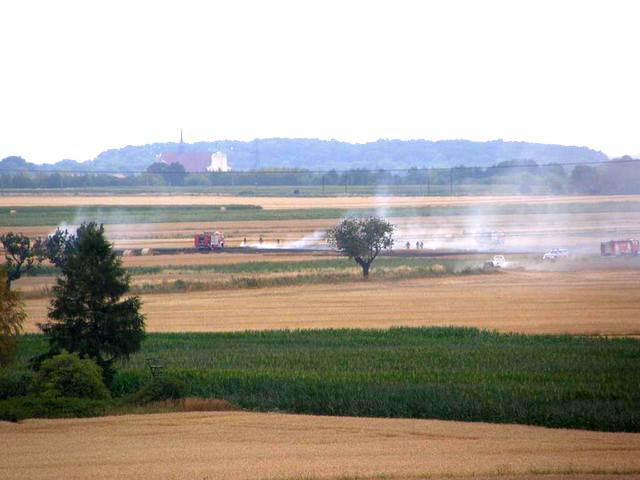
(296, 202)
(275, 446)
(592, 302)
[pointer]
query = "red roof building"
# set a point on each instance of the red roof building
(191, 161)
(195, 162)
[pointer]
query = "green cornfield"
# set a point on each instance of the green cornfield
(443, 373)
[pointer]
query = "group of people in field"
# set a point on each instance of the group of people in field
(419, 245)
(260, 241)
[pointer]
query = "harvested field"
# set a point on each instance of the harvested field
(295, 202)
(590, 302)
(216, 259)
(242, 445)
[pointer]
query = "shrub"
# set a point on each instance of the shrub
(67, 375)
(437, 268)
(11, 318)
(15, 409)
(14, 383)
(164, 387)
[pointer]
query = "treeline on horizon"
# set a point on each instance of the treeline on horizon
(314, 154)
(620, 176)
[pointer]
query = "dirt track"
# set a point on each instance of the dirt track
(238, 445)
(294, 202)
(583, 302)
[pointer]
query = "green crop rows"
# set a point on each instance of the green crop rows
(445, 373)
(43, 216)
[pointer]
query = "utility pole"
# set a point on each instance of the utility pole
(256, 161)
(428, 182)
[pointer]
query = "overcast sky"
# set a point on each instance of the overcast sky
(81, 77)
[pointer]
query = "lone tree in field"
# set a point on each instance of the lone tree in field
(87, 314)
(362, 239)
(11, 318)
(20, 254)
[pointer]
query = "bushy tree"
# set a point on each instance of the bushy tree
(173, 174)
(362, 239)
(20, 254)
(87, 313)
(68, 375)
(12, 317)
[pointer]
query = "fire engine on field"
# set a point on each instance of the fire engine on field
(615, 248)
(209, 241)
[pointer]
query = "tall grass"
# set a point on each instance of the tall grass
(445, 373)
(271, 274)
(339, 263)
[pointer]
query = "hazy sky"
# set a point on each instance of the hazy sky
(80, 77)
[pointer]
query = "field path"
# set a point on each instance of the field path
(294, 202)
(598, 302)
(241, 445)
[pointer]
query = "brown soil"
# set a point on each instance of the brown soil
(590, 302)
(239, 445)
(217, 259)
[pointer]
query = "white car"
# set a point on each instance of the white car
(498, 261)
(555, 254)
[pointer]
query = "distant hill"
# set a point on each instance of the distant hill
(313, 154)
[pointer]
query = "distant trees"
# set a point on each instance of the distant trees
(173, 174)
(621, 176)
(362, 239)
(88, 314)
(584, 179)
(524, 176)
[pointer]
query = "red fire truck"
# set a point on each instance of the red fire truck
(209, 241)
(614, 248)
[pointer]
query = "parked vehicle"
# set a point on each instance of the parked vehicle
(555, 254)
(498, 261)
(209, 241)
(614, 248)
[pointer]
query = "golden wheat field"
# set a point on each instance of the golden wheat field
(293, 202)
(582, 302)
(240, 445)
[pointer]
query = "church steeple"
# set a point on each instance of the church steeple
(181, 144)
